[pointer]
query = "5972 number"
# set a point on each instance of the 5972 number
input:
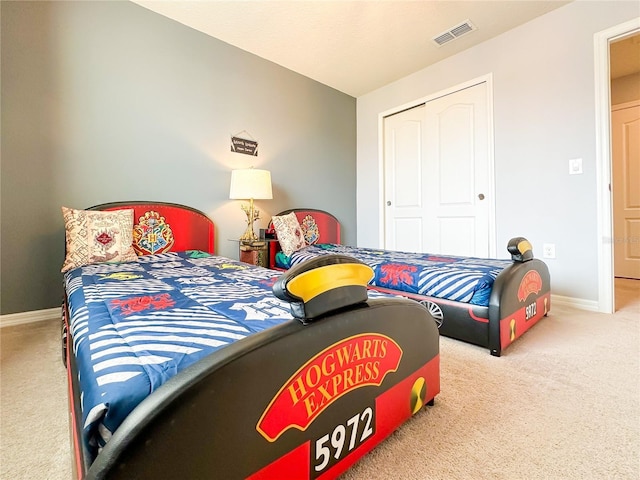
(530, 311)
(343, 439)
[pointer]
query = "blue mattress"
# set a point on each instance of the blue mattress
(153, 318)
(460, 279)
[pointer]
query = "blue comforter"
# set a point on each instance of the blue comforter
(153, 318)
(461, 279)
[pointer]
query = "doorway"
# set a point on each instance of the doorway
(624, 68)
(603, 61)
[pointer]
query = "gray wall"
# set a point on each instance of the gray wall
(544, 115)
(107, 101)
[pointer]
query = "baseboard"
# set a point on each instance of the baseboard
(579, 303)
(22, 318)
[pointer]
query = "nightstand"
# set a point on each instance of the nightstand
(254, 253)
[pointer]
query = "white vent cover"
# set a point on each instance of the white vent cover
(454, 32)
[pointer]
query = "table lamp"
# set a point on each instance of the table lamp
(250, 184)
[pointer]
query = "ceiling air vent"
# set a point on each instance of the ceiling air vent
(454, 32)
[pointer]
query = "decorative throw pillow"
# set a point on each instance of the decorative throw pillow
(94, 236)
(289, 233)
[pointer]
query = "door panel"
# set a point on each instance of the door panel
(457, 156)
(625, 144)
(407, 153)
(458, 233)
(454, 150)
(408, 234)
(403, 180)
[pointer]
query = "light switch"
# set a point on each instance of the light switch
(575, 166)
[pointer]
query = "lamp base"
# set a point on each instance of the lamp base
(249, 236)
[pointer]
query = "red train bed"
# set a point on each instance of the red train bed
(184, 364)
(486, 302)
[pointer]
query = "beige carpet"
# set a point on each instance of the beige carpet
(561, 403)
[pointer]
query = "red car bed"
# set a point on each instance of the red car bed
(486, 302)
(184, 364)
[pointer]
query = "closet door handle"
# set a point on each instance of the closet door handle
(481, 196)
(388, 203)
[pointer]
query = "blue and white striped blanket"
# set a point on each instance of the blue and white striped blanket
(153, 318)
(461, 279)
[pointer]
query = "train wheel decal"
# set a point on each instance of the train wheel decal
(435, 311)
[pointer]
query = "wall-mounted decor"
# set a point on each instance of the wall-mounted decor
(248, 146)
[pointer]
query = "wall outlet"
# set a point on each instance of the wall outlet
(549, 250)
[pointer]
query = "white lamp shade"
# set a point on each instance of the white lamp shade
(250, 183)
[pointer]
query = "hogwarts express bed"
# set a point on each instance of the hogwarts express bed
(486, 302)
(184, 364)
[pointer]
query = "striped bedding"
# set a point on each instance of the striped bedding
(460, 279)
(153, 318)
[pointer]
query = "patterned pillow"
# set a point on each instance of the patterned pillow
(289, 233)
(97, 236)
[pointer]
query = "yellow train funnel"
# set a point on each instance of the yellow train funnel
(312, 283)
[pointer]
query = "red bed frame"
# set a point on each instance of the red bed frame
(520, 297)
(305, 399)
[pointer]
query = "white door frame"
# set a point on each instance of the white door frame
(488, 79)
(603, 159)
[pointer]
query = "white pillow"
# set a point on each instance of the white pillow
(95, 236)
(289, 232)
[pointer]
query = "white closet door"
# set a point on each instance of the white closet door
(437, 177)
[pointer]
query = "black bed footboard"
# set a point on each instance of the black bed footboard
(521, 296)
(294, 401)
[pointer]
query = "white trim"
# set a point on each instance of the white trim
(382, 201)
(22, 318)
(579, 303)
(492, 168)
(488, 80)
(603, 158)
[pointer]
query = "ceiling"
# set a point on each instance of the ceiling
(354, 46)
